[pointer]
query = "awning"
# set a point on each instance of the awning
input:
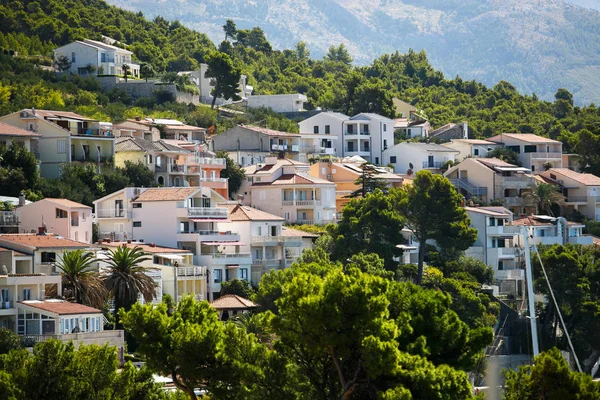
(170, 256)
(229, 266)
(209, 220)
(223, 243)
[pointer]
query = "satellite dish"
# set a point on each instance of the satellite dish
(410, 166)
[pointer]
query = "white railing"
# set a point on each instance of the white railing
(278, 239)
(115, 236)
(508, 251)
(9, 218)
(231, 255)
(210, 161)
(287, 203)
(209, 179)
(510, 274)
(516, 179)
(190, 271)
(206, 212)
(308, 202)
(279, 147)
(513, 201)
(544, 155)
(113, 213)
(267, 263)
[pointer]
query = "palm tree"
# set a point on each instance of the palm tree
(125, 279)
(543, 197)
(125, 68)
(80, 283)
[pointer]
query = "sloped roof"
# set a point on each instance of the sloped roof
(294, 179)
(232, 302)
(524, 137)
(430, 147)
(245, 213)
(537, 220)
(60, 114)
(450, 131)
(41, 241)
(494, 162)
(492, 211)
(67, 203)
(9, 130)
(184, 127)
(269, 168)
(147, 248)
(583, 178)
(128, 143)
(475, 141)
(132, 124)
(61, 307)
(269, 132)
(166, 194)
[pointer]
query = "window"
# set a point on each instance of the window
(350, 129)
(516, 149)
(73, 59)
(384, 144)
(492, 221)
(218, 275)
(149, 158)
(393, 159)
(500, 265)
(533, 168)
(475, 152)
(61, 213)
(384, 128)
(26, 294)
(273, 230)
(4, 296)
(244, 273)
(61, 146)
(137, 205)
(323, 170)
(137, 224)
(327, 129)
(48, 257)
(249, 179)
(316, 129)
(259, 230)
(376, 160)
(530, 148)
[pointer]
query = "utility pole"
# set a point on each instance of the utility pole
(530, 295)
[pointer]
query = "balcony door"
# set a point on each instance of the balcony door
(430, 161)
(118, 208)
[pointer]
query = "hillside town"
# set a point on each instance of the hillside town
(230, 218)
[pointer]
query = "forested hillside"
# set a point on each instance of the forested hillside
(331, 83)
(537, 45)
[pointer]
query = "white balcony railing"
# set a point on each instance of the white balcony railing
(231, 255)
(289, 203)
(275, 239)
(210, 179)
(113, 213)
(190, 271)
(209, 161)
(206, 212)
(544, 155)
(268, 263)
(510, 274)
(9, 218)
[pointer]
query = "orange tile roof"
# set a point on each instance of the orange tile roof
(245, 213)
(232, 302)
(533, 221)
(9, 130)
(584, 179)
(41, 241)
(294, 179)
(147, 248)
(16, 253)
(166, 194)
(67, 203)
(61, 307)
(524, 137)
(291, 232)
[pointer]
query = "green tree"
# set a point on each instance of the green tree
(226, 76)
(230, 29)
(564, 94)
(18, 170)
(506, 155)
(549, 378)
(126, 279)
(80, 282)
(339, 54)
(125, 68)
(138, 175)
(9, 340)
(240, 287)
(62, 63)
(373, 97)
(433, 210)
(302, 51)
(543, 197)
(368, 182)
(232, 172)
(147, 70)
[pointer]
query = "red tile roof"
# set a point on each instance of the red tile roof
(166, 194)
(294, 179)
(40, 241)
(533, 221)
(245, 213)
(524, 137)
(9, 130)
(67, 203)
(584, 179)
(233, 302)
(61, 307)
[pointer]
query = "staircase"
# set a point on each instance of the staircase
(469, 187)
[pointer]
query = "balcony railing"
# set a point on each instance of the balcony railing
(513, 201)
(351, 133)
(355, 150)
(576, 199)
(113, 213)
(544, 155)
(510, 274)
(86, 131)
(433, 164)
(231, 255)
(206, 212)
(115, 236)
(210, 161)
(268, 263)
(365, 133)
(211, 179)
(275, 239)
(304, 203)
(190, 271)
(9, 218)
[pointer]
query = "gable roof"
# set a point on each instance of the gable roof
(36, 241)
(429, 146)
(291, 232)
(238, 212)
(584, 179)
(105, 46)
(166, 194)
(66, 203)
(294, 179)
(128, 143)
(269, 132)
(369, 116)
(450, 131)
(524, 137)
(540, 220)
(60, 307)
(60, 115)
(494, 162)
(132, 124)
(232, 302)
(10, 130)
(474, 141)
(491, 211)
(269, 168)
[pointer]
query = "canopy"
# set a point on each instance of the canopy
(170, 256)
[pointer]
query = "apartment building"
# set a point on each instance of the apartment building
(64, 137)
(285, 188)
(62, 217)
(137, 128)
(411, 128)
(491, 179)
(271, 245)
(475, 148)
(535, 152)
(543, 229)
(415, 156)
(281, 103)
(344, 175)
(328, 127)
(581, 191)
(11, 135)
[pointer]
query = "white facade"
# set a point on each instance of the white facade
(206, 85)
(416, 156)
(279, 102)
(581, 191)
(471, 147)
(328, 127)
(60, 216)
(534, 151)
(106, 59)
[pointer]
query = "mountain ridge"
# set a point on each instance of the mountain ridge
(536, 44)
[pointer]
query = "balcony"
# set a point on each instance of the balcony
(190, 271)
(518, 274)
(209, 161)
(433, 164)
(271, 263)
(290, 260)
(220, 256)
(576, 199)
(351, 133)
(355, 151)
(113, 213)
(302, 203)
(212, 236)
(185, 169)
(507, 252)
(583, 239)
(364, 133)
(276, 240)
(211, 179)
(112, 338)
(546, 156)
(115, 236)
(9, 218)
(513, 201)
(206, 212)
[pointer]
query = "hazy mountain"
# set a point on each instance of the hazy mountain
(538, 45)
(594, 4)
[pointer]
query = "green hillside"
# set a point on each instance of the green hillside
(331, 83)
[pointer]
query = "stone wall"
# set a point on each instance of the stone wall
(141, 88)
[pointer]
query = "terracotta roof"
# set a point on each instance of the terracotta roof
(166, 194)
(294, 179)
(61, 307)
(232, 302)
(495, 211)
(66, 203)
(61, 114)
(9, 130)
(16, 253)
(269, 132)
(262, 168)
(524, 137)
(245, 213)
(494, 162)
(533, 221)
(147, 248)
(184, 127)
(287, 231)
(596, 240)
(41, 241)
(584, 179)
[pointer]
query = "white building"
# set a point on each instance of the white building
(412, 128)
(285, 188)
(471, 147)
(280, 103)
(415, 156)
(535, 152)
(62, 217)
(544, 229)
(581, 191)
(327, 127)
(206, 86)
(104, 58)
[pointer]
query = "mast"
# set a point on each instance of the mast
(530, 298)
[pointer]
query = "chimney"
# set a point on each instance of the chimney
(465, 130)
(138, 118)
(21, 199)
(41, 230)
